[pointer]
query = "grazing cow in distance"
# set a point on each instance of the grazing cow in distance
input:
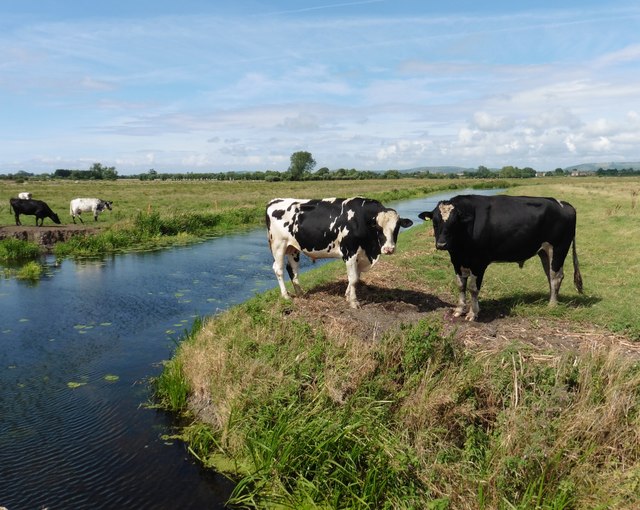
(79, 205)
(32, 207)
(477, 230)
(25, 195)
(357, 230)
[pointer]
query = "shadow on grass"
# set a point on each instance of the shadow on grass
(368, 294)
(491, 309)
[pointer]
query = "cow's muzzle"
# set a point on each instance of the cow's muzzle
(441, 246)
(388, 250)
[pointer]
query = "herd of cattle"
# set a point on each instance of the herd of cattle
(24, 204)
(476, 231)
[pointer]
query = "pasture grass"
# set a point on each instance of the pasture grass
(302, 414)
(608, 243)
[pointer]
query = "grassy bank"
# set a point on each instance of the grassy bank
(307, 417)
(154, 214)
(310, 405)
(16, 250)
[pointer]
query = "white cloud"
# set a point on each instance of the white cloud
(487, 122)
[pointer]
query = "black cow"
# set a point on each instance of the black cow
(33, 207)
(478, 230)
(357, 230)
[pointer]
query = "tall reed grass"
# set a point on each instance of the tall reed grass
(154, 230)
(15, 250)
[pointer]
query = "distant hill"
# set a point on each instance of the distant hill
(594, 167)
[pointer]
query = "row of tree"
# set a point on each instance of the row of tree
(301, 168)
(97, 172)
(614, 172)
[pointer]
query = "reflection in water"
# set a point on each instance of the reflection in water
(75, 353)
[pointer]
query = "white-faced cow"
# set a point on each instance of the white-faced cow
(357, 230)
(478, 230)
(38, 208)
(79, 205)
(25, 195)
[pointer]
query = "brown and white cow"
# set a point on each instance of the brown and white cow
(477, 230)
(356, 229)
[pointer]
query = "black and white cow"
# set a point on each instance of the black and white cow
(32, 207)
(95, 205)
(478, 230)
(357, 230)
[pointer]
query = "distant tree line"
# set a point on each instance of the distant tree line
(96, 172)
(322, 174)
(614, 172)
(506, 172)
(301, 168)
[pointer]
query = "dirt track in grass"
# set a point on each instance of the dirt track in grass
(386, 303)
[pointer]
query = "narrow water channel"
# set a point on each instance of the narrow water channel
(76, 351)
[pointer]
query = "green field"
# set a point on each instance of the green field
(169, 197)
(309, 405)
(151, 214)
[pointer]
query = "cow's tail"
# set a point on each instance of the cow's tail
(577, 277)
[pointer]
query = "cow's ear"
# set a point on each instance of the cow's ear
(426, 215)
(405, 222)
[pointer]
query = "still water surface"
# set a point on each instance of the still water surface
(76, 352)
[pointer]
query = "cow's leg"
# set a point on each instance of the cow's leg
(556, 271)
(461, 279)
(293, 262)
(545, 254)
(474, 284)
(80, 218)
(555, 282)
(546, 263)
(552, 262)
(354, 277)
(18, 220)
(278, 251)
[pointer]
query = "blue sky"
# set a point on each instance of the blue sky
(208, 86)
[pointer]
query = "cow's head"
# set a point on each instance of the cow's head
(54, 217)
(388, 224)
(108, 204)
(447, 220)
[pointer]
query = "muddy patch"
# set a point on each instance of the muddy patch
(387, 303)
(46, 236)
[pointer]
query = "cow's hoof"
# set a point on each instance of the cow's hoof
(471, 317)
(458, 313)
(354, 304)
